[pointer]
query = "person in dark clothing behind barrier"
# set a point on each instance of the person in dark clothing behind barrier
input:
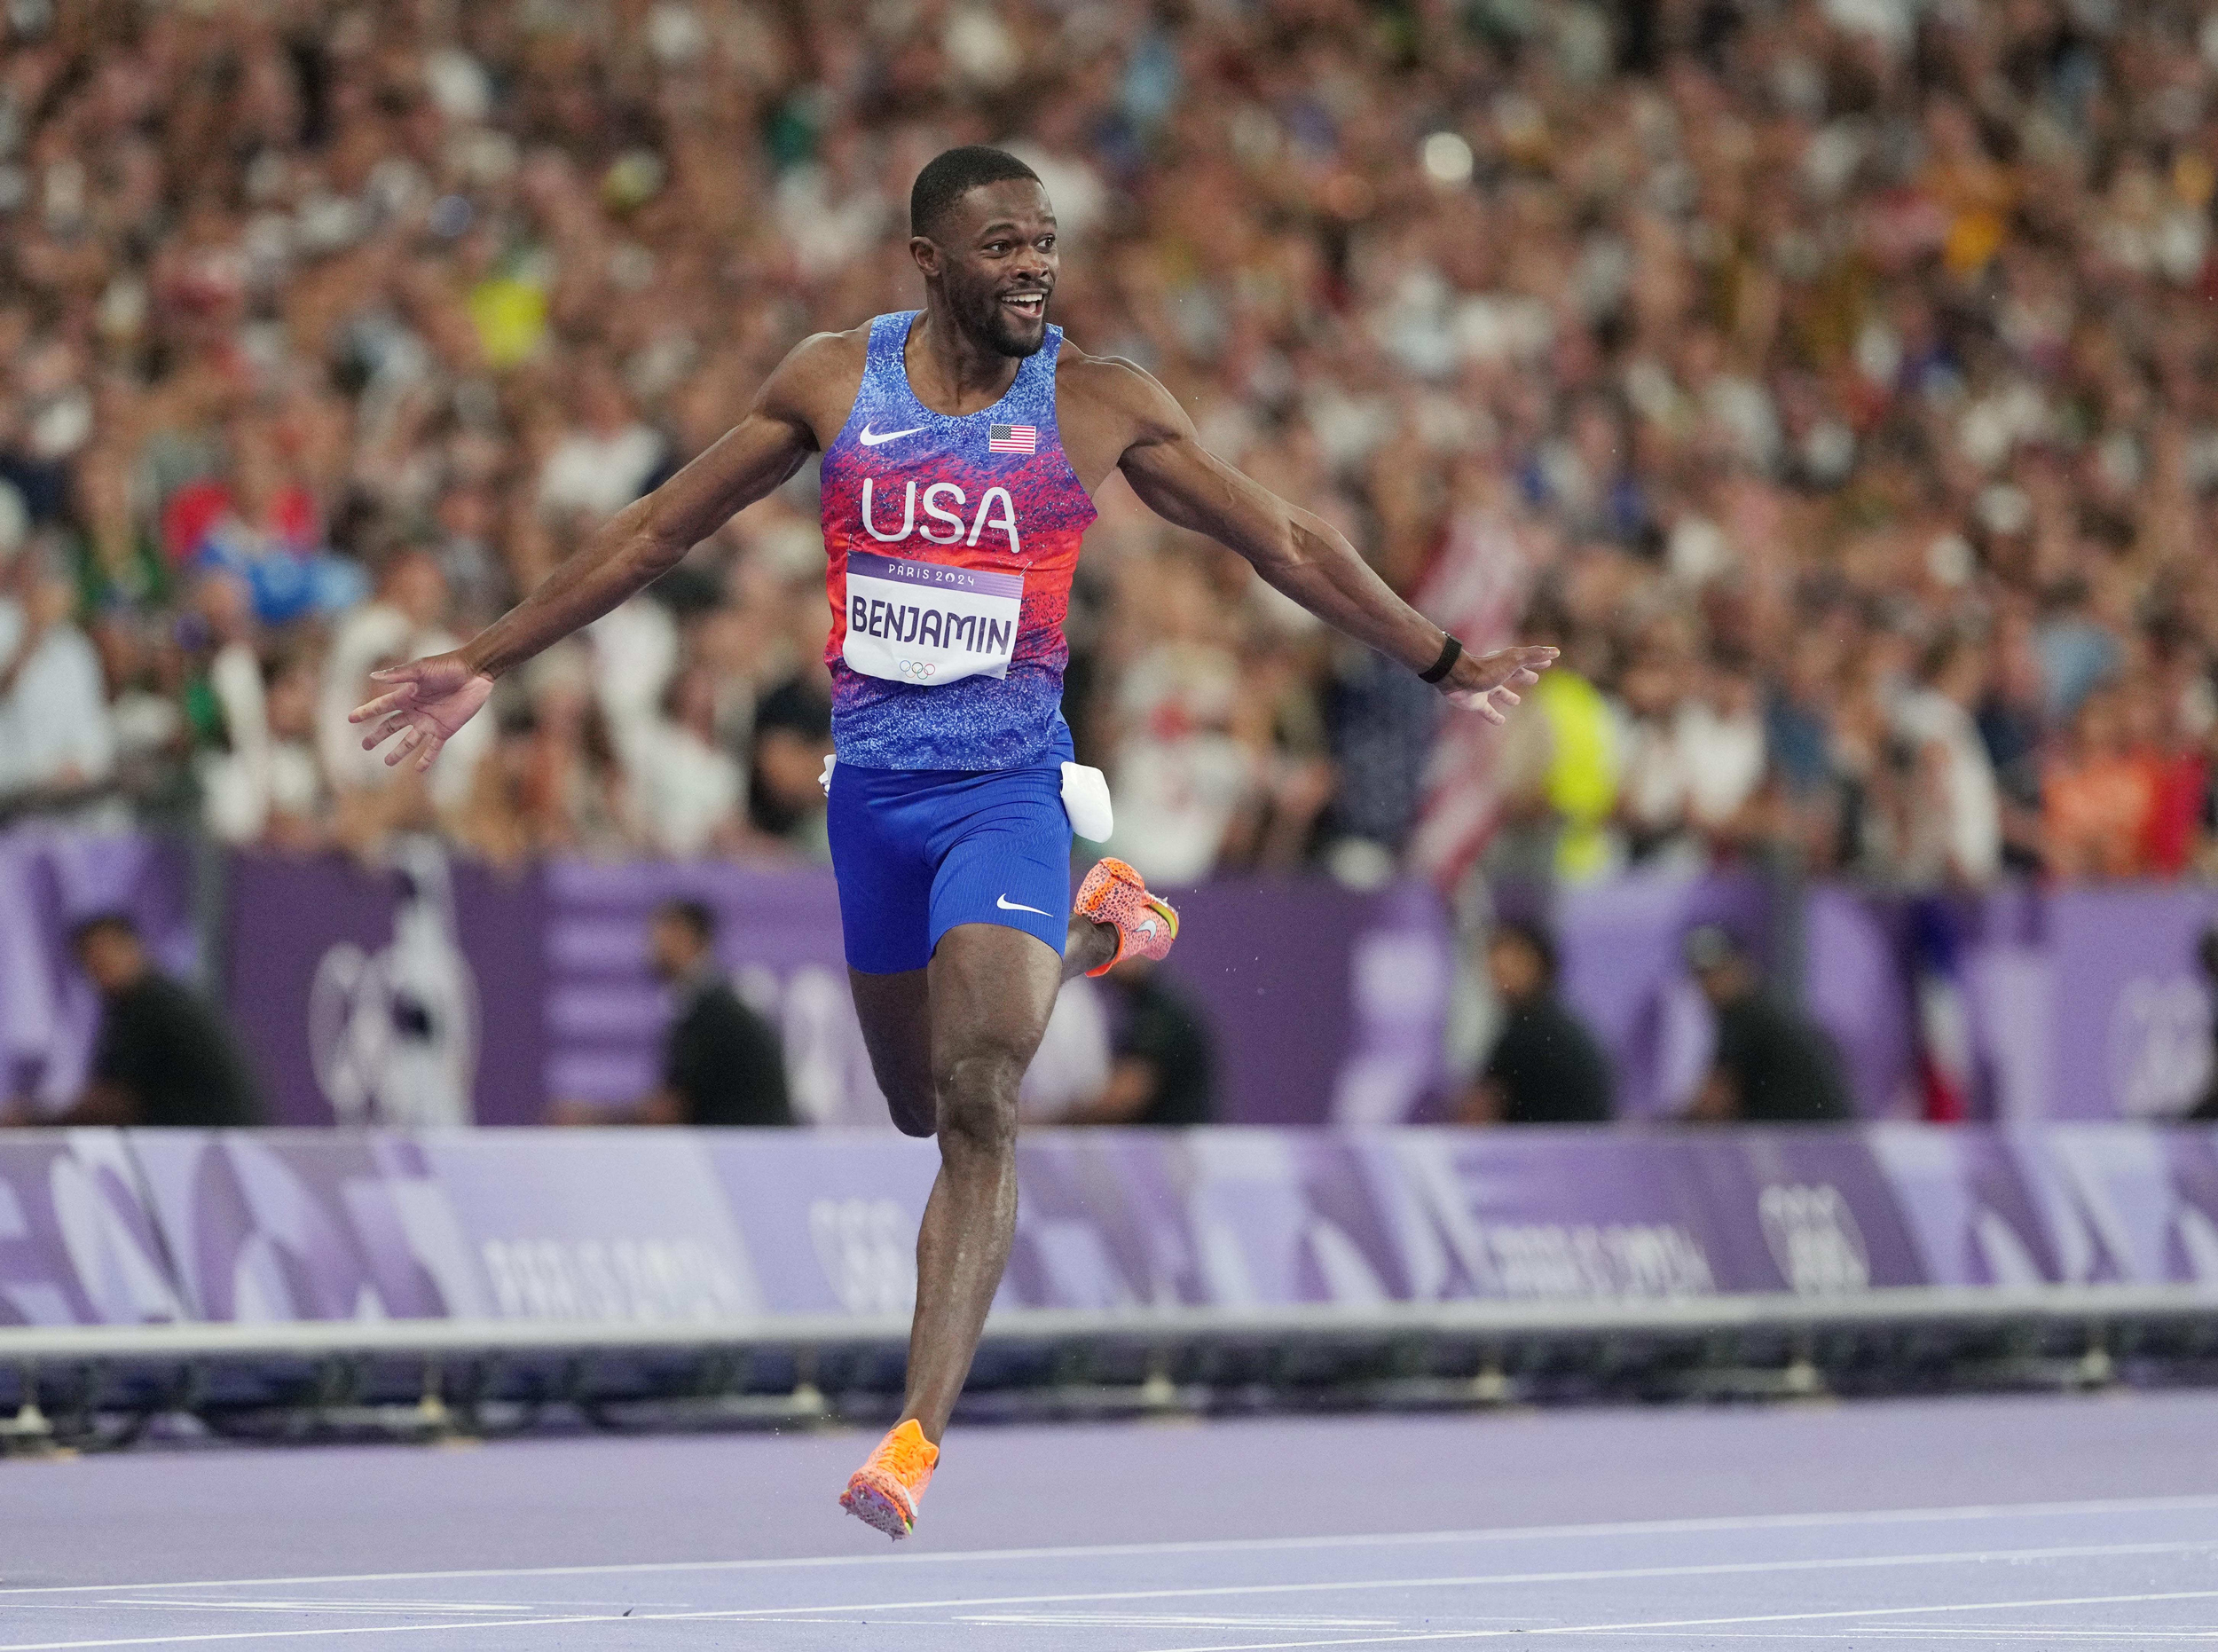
(161, 1055)
(722, 1063)
(1546, 1069)
(2206, 1110)
(1162, 1061)
(1772, 1066)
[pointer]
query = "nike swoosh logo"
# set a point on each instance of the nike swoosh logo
(1007, 905)
(1148, 928)
(871, 438)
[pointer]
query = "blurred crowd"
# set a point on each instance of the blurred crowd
(1835, 379)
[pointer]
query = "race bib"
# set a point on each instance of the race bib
(926, 623)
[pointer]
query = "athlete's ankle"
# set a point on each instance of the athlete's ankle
(1090, 946)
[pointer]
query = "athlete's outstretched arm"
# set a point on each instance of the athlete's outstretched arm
(1300, 554)
(431, 698)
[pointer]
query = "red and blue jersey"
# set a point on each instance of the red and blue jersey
(951, 545)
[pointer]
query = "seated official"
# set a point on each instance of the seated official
(162, 1056)
(1773, 1065)
(1162, 1061)
(1546, 1069)
(722, 1063)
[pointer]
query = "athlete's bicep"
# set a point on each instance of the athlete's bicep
(1186, 484)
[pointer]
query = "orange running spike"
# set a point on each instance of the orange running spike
(884, 1492)
(1114, 894)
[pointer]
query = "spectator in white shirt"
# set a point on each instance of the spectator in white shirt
(607, 459)
(1953, 832)
(55, 736)
(690, 790)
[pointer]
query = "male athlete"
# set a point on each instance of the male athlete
(962, 448)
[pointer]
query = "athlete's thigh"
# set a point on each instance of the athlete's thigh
(1007, 861)
(882, 863)
(896, 1015)
(993, 988)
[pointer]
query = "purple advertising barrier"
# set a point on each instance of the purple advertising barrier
(1809, 1211)
(1328, 1003)
(1971, 1216)
(568, 1225)
(675, 1226)
(49, 880)
(307, 1225)
(1621, 970)
(2130, 1015)
(1546, 1213)
(777, 932)
(409, 995)
(77, 1244)
(2125, 1204)
(828, 1217)
(596, 1225)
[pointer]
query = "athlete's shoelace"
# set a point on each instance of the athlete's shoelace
(905, 1454)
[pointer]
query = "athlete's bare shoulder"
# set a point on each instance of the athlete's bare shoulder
(1104, 407)
(815, 384)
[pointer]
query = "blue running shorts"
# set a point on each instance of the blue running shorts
(917, 852)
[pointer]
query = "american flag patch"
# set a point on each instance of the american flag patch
(1012, 439)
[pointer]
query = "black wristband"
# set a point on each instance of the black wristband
(1451, 651)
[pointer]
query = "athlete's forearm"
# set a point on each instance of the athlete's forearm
(1318, 569)
(644, 541)
(624, 556)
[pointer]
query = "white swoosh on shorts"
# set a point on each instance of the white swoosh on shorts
(1007, 905)
(871, 438)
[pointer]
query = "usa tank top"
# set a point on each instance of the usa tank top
(950, 545)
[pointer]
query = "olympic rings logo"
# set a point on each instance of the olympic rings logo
(917, 671)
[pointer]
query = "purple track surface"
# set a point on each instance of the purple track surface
(2035, 1523)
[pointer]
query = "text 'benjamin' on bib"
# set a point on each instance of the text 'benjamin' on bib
(929, 622)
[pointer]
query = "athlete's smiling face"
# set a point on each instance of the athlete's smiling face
(993, 254)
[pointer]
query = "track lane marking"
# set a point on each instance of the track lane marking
(1212, 1546)
(1703, 1622)
(804, 1613)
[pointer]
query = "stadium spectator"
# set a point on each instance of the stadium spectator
(1546, 1066)
(722, 1063)
(161, 1055)
(1771, 1064)
(55, 738)
(2206, 1108)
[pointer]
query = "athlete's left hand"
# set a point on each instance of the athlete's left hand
(1488, 683)
(427, 701)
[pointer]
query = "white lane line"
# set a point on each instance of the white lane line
(1212, 1546)
(1705, 1623)
(791, 1614)
(1618, 1574)
(304, 1634)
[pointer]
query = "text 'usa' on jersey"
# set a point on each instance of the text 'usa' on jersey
(950, 546)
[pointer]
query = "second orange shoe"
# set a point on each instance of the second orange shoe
(1112, 893)
(884, 1492)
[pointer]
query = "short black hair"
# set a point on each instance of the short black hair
(102, 922)
(954, 173)
(1528, 933)
(694, 914)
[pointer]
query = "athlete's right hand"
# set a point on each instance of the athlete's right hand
(428, 700)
